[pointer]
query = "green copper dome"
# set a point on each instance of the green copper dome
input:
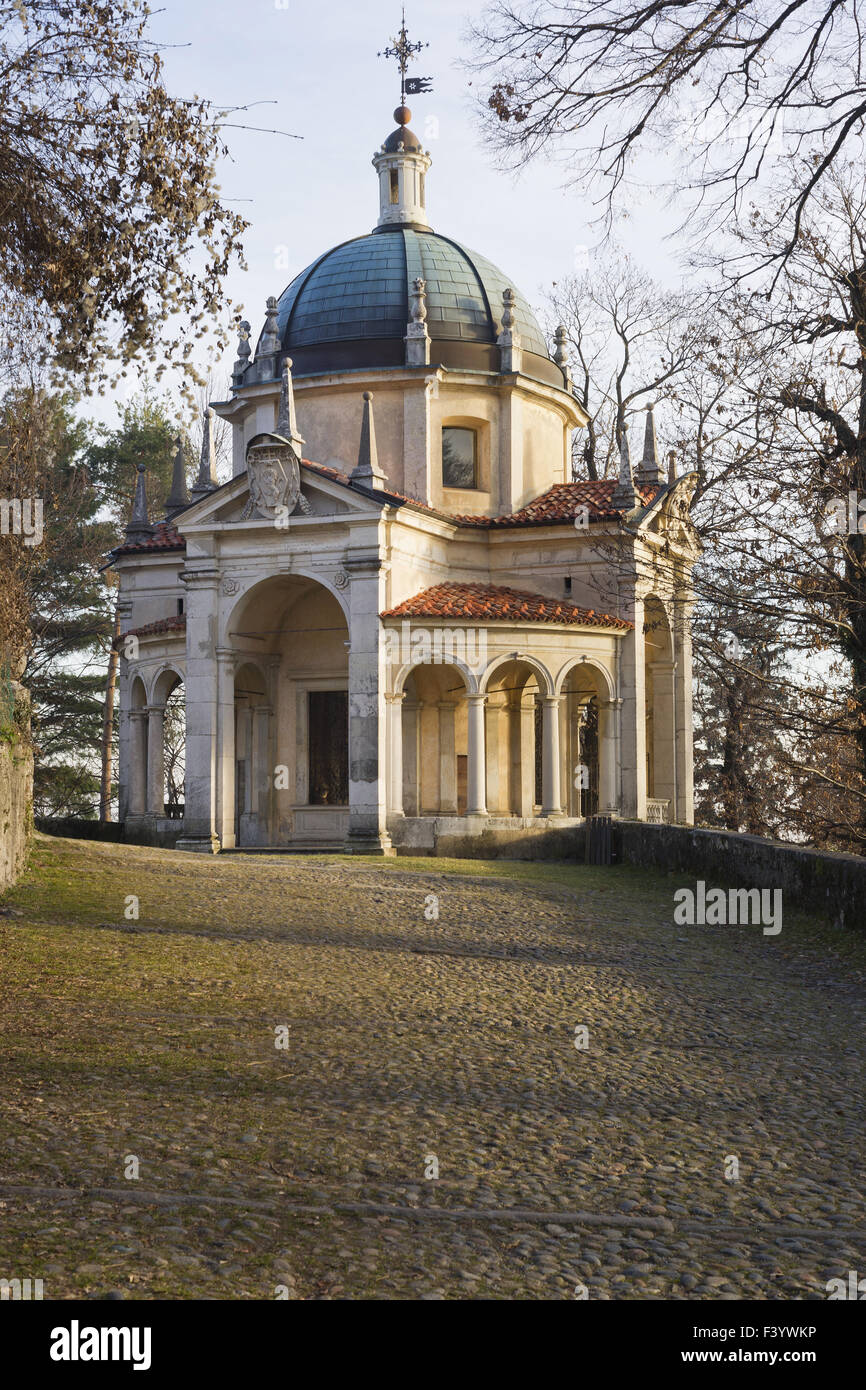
(350, 308)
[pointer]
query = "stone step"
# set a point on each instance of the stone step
(297, 847)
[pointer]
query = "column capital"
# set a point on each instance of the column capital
(395, 697)
(476, 699)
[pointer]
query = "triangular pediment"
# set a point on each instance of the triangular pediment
(323, 494)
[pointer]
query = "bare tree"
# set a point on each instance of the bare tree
(631, 341)
(726, 85)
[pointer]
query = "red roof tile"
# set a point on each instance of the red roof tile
(495, 603)
(173, 624)
(164, 537)
(561, 503)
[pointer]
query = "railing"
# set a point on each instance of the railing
(658, 812)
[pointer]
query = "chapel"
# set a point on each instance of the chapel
(403, 618)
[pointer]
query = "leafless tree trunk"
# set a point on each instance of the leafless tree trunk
(108, 722)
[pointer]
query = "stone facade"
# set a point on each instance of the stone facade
(366, 646)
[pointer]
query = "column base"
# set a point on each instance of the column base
(199, 844)
(361, 842)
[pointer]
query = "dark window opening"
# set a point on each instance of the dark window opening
(329, 747)
(459, 457)
(589, 759)
(395, 186)
(180, 607)
(567, 583)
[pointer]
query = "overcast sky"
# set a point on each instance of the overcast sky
(315, 66)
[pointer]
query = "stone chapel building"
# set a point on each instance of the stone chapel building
(401, 618)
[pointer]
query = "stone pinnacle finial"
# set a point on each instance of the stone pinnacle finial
(560, 338)
(672, 466)
(625, 497)
(419, 300)
(270, 343)
(287, 424)
(206, 480)
(367, 469)
(417, 336)
(178, 498)
(648, 470)
(508, 341)
(243, 357)
(139, 528)
(560, 355)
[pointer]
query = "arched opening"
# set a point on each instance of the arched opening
(586, 739)
(660, 695)
(435, 742)
(289, 642)
(138, 748)
(167, 720)
(515, 718)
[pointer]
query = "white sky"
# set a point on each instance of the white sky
(316, 65)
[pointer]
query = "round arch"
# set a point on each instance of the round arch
(242, 599)
(167, 677)
(137, 693)
(539, 670)
(582, 663)
(469, 679)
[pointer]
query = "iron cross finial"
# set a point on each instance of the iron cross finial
(402, 49)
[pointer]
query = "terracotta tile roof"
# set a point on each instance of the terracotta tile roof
(495, 603)
(173, 624)
(164, 537)
(561, 503)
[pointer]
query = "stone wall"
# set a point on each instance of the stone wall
(831, 885)
(16, 785)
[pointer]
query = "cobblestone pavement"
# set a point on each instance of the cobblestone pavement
(264, 1171)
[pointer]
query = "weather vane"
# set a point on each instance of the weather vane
(403, 50)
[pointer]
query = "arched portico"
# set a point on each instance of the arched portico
(283, 727)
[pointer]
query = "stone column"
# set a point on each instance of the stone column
(395, 771)
(411, 797)
(155, 761)
(550, 757)
(526, 734)
(476, 781)
(608, 773)
(226, 753)
(368, 752)
(633, 738)
(684, 718)
(493, 730)
(664, 675)
(138, 762)
(200, 808)
(447, 760)
(261, 776)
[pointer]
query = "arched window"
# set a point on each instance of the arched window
(459, 457)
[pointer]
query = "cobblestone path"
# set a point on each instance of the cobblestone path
(148, 1046)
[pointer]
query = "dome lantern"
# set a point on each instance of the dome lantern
(402, 164)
